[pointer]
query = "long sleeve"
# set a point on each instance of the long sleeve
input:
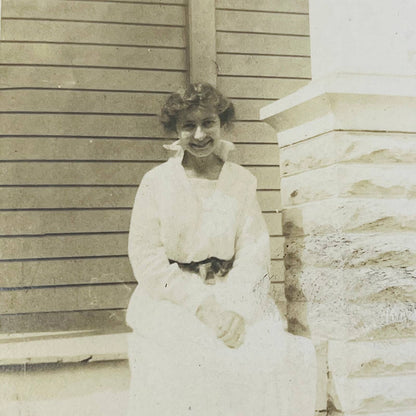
(248, 281)
(151, 266)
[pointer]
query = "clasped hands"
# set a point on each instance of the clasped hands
(228, 326)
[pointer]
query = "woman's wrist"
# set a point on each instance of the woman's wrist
(209, 310)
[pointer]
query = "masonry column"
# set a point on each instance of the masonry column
(348, 180)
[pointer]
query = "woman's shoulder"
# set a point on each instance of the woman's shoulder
(158, 172)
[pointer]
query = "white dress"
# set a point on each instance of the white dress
(178, 366)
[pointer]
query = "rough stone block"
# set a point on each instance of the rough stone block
(348, 250)
(358, 284)
(350, 215)
(342, 320)
(372, 358)
(343, 146)
(350, 180)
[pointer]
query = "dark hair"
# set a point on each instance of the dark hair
(192, 97)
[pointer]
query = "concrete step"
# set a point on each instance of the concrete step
(82, 389)
(372, 358)
(373, 394)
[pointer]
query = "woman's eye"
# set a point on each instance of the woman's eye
(209, 123)
(188, 126)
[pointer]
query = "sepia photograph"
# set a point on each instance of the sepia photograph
(207, 208)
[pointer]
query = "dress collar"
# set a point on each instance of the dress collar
(223, 149)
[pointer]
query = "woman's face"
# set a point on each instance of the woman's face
(199, 130)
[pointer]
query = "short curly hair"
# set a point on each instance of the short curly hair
(192, 97)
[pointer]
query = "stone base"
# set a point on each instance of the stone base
(348, 166)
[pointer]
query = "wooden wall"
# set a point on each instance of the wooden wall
(263, 54)
(81, 84)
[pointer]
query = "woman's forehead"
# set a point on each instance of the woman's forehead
(199, 113)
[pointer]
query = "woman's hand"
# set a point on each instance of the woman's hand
(231, 329)
(229, 326)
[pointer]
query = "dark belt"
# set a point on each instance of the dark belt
(208, 269)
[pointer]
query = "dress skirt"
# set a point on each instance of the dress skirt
(178, 366)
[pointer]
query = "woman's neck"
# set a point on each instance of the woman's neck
(206, 167)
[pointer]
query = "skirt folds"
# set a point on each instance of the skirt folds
(178, 367)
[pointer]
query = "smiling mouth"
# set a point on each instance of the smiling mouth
(201, 145)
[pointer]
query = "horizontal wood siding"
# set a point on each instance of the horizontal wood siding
(81, 85)
(289, 6)
(18, 223)
(79, 245)
(100, 173)
(263, 54)
(75, 271)
(76, 197)
(92, 33)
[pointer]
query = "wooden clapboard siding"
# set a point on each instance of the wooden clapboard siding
(259, 87)
(94, 33)
(140, 13)
(249, 110)
(82, 245)
(262, 44)
(184, 2)
(70, 197)
(269, 200)
(134, 126)
(277, 290)
(270, 66)
(67, 298)
(66, 272)
(101, 173)
(68, 101)
(79, 297)
(81, 86)
(262, 55)
(260, 22)
(52, 148)
(63, 246)
(93, 56)
(277, 270)
(62, 321)
(46, 197)
(81, 125)
(249, 132)
(48, 148)
(79, 271)
(105, 79)
(62, 222)
(83, 221)
(290, 6)
(73, 173)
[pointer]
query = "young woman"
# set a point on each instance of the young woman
(207, 339)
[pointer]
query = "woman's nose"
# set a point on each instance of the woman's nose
(199, 133)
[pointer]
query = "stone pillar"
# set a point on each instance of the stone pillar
(348, 182)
